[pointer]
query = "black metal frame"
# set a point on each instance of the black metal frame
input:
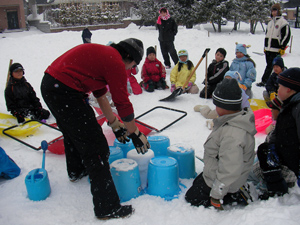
(160, 107)
(25, 143)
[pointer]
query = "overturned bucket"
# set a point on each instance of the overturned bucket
(125, 147)
(163, 179)
(185, 156)
(159, 144)
(115, 153)
(125, 174)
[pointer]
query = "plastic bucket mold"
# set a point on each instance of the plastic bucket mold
(125, 147)
(163, 179)
(185, 156)
(115, 153)
(159, 145)
(125, 174)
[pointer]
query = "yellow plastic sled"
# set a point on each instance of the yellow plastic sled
(7, 120)
(256, 104)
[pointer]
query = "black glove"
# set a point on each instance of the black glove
(119, 130)
(216, 203)
(272, 157)
(20, 118)
(140, 141)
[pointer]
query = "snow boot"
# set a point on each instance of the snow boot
(122, 212)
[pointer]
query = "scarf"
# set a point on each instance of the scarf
(166, 17)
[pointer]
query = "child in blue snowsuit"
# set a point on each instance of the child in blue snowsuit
(246, 68)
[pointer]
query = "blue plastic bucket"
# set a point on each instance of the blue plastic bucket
(159, 145)
(163, 178)
(125, 147)
(115, 153)
(125, 174)
(185, 156)
(37, 184)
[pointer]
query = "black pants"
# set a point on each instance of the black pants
(167, 47)
(269, 60)
(210, 90)
(198, 194)
(85, 144)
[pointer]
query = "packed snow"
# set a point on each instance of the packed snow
(71, 203)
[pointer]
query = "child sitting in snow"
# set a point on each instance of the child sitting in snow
(181, 72)
(272, 84)
(245, 66)
(153, 72)
(20, 97)
(228, 151)
(132, 83)
(279, 158)
(212, 114)
(215, 72)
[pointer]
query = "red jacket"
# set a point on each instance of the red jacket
(153, 70)
(90, 67)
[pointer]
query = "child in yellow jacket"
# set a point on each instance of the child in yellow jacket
(181, 72)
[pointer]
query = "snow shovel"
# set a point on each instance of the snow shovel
(37, 180)
(180, 90)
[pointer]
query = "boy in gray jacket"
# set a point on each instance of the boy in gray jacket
(228, 151)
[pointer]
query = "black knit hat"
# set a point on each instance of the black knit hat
(14, 67)
(150, 50)
(222, 51)
(228, 95)
(290, 78)
(134, 48)
(278, 61)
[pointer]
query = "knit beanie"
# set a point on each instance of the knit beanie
(228, 95)
(290, 78)
(222, 51)
(276, 6)
(150, 50)
(233, 74)
(134, 48)
(275, 103)
(14, 67)
(241, 48)
(278, 61)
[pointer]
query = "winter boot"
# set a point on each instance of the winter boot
(122, 212)
(276, 185)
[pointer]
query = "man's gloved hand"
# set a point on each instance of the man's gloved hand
(272, 157)
(139, 141)
(119, 130)
(282, 51)
(216, 203)
(173, 87)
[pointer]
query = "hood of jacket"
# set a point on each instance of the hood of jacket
(240, 119)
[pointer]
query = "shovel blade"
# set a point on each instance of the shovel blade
(171, 97)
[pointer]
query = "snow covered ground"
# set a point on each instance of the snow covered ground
(71, 203)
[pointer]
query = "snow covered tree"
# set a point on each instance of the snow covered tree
(256, 11)
(148, 11)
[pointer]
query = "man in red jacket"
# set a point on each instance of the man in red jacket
(84, 69)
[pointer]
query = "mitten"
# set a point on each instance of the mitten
(19, 117)
(216, 203)
(272, 157)
(173, 87)
(272, 95)
(139, 141)
(282, 51)
(119, 130)
(243, 87)
(189, 86)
